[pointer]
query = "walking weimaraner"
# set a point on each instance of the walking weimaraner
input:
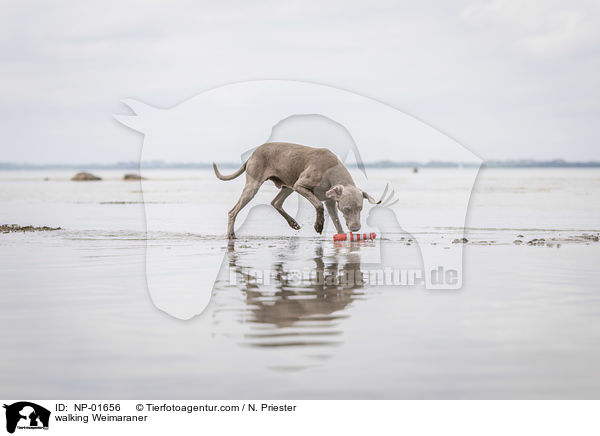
(315, 173)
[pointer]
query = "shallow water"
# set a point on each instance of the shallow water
(76, 319)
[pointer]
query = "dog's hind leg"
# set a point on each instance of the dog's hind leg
(277, 203)
(248, 193)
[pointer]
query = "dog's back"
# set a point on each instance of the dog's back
(284, 162)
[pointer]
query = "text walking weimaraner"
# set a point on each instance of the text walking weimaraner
(315, 173)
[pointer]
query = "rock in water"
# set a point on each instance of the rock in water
(85, 177)
(133, 177)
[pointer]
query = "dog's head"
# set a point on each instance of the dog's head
(350, 202)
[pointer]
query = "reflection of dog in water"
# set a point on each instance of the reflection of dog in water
(287, 302)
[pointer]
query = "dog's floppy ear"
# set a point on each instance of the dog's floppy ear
(371, 199)
(335, 192)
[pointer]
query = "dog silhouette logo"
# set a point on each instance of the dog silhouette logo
(219, 123)
(26, 415)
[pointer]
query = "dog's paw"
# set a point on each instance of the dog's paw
(294, 225)
(319, 226)
(231, 236)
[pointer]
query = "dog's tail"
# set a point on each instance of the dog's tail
(231, 176)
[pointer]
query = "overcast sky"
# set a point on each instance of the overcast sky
(509, 79)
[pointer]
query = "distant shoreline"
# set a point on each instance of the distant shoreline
(556, 163)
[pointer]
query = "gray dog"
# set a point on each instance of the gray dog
(315, 173)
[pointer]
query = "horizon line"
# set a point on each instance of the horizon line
(160, 164)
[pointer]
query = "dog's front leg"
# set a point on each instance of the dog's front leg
(308, 194)
(333, 214)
